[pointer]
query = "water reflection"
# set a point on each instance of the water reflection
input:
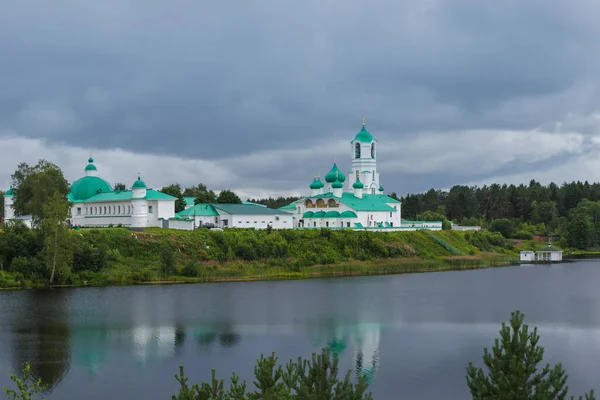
(42, 338)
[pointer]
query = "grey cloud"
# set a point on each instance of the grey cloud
(221, 82)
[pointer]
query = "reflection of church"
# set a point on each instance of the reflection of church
(364, 338)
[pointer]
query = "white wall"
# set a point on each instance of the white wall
(256, 221)
(184, 225)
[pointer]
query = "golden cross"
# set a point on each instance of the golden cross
(363, 120)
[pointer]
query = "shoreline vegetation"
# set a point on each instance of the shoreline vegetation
(117, 256)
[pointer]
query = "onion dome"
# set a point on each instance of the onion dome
(335, 172)
(381, 188)
(90, 166)
(358, 184)
(316, 184)
(337, 184)
(364, 135)
(321, 184)
(139, 184)
(9, 192)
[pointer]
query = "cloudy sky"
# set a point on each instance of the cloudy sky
(258, 96)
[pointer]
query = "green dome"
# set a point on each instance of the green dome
(364, 135)
(319, 214)
(139, 184)
(316, 184)
(358, 184)
(348, 214)
(308, 214)
(321, 184)
(381, 188)
(90, 160)
(88, 186)
(332, 214)
(331, 176)
(91, 167)
(337, 184)
(9, 192)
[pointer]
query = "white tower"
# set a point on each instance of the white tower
(139, 215)
(9, 212)
(364, 161)
(90, 169)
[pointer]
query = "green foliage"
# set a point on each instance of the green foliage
(28, 388)
(201, 194)
(175, 191)
(55, 232)
(167, 260)
(504, 226)
(304, 379)
(1, 205)
(512, 368)
(275, 203)
(119, 186)
(228, 197)
(33, 186)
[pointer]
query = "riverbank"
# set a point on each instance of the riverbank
(104, 257)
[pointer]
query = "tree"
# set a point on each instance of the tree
(175, 191)
(119, 186)
(1, 205)
(512, 368)
(228, 197)
(505, 226)
(57, 246)
(303, 379)
(201, 194)
(28, 388)
(34, 185)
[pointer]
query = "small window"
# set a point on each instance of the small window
(150, 209)
(78, 210)
(247, 222)
(314, 224)
(104, 210)
(348, 224)
(270, 222)
(119, 209)
(254, 221)
(327, 224)
(390, 214)
(239, 222)
(391, 224)
(276, 218)
(262, 222)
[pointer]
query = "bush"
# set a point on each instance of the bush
(167, 261)
(523, 235)
(504, 226)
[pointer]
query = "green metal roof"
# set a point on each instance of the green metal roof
(249, 203)
(9, 192)
(315, 184)
(364, 135)
(381, 188)
(291, 207)
(319, 214)
(348, 214)
(332, 214)
(334, 174)
(369, 202)
(87, 187)
(308, 214)
(91, 167)
(123, 195)
(139, 184)
(189, 200)
(200, 210)
(245, 209)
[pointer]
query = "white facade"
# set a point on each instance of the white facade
(364, 163)
(527, 256)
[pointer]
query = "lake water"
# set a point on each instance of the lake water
(414, 334)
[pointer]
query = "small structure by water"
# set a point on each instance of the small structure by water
(549, 254)
(527, 255)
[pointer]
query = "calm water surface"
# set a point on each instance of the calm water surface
(413, 334)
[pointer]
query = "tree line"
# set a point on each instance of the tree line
(513, 370)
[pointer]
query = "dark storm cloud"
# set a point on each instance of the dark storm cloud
(220, 80)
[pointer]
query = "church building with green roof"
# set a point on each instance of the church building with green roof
(356, 201)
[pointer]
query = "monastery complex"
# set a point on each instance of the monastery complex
(353, 201)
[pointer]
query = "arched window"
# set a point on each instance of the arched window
(357, 150)
(119, 209)
(331, 203)
(309, 204)
(320, 203)
(373, 150)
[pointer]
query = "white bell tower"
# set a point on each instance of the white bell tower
(364, 161)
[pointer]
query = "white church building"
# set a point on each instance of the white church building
(355, 202)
